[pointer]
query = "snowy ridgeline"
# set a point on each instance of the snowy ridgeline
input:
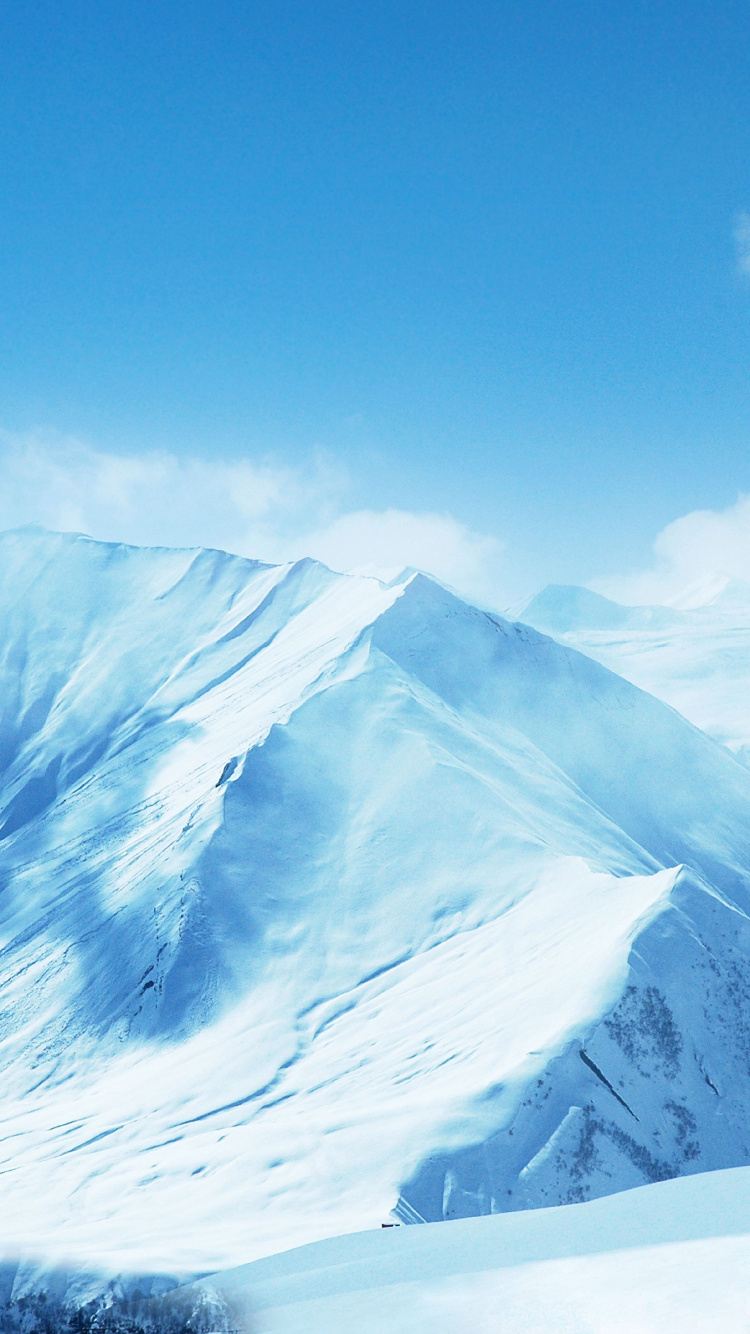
(322, 897)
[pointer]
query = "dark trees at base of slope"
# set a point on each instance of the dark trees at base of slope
(177, 1312)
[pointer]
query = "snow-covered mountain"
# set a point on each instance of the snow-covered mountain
(696, 659)
(322, 897)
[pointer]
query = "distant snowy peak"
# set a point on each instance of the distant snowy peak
(718, 591)
(562, 608)
(568, 608)
(696, 658)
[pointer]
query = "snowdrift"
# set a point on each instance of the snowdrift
(672, 1258)
(322, 898)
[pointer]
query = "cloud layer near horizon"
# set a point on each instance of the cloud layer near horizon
(270, 511)
(260, 509)
(695, 555)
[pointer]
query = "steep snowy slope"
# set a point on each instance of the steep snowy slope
(315, 891)
(697, 660)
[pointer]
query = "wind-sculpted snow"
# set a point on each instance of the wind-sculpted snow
(322, 897)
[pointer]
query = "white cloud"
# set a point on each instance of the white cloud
(742, 242)
(260, 509)
(156, 498)
(383, 543)
(695, 556)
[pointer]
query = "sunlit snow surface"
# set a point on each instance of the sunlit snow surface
(322, 897)
(672, 1258)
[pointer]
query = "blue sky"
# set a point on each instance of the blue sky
(477, 265)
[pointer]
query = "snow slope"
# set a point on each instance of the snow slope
(671, 1258)
(696, 659)
(322, 897)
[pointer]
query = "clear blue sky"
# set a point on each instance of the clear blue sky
(481, 254)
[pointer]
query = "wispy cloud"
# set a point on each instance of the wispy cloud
(257, 508)
(742, 242)
(694, 555)
(387, 541)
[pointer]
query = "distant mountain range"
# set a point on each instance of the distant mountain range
(322, 897)
(697, 660)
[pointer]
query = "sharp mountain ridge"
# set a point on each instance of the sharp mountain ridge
(322, 897)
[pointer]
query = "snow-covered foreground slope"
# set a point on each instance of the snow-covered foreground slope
(697, 660)
(671, 1258)
(321, 897)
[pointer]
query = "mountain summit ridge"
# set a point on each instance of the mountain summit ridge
(318, 893)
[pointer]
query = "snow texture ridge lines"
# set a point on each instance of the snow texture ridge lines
(318, 893)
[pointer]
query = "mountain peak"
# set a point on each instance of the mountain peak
(282, 848)
(565, 608)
